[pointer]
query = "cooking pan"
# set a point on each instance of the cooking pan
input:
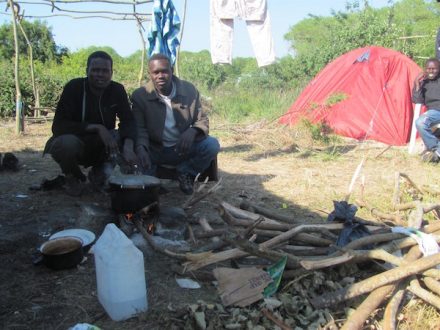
(61, 253)
(131, 192)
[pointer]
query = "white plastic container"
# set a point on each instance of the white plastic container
(120, 275)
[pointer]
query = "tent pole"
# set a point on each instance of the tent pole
(412, 139)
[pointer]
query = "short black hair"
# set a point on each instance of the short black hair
(432, 60)
(99, 54)
(160, 56)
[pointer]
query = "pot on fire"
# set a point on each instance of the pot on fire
(131, 192)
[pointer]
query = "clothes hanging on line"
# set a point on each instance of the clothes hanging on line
(163, 36)
(255, 13)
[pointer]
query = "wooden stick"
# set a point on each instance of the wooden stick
(275, 320)
(410, 205)
(242, 214)
(396, 194)
(197, 198)
(154, 246)
(191, 234)
(389, 318)
(376, 281)
(389, 247)
(146, 209)
(246, 205)
(237, 253)
(423, 294)
(416, 217)
(322, 228)
(379, 214)
(252, 227)
(357, 319)
(210, 234)
(430, 191)
(226, 212)
(375, 298)
(254, 249)
(305, 250)
(411, 182)
(199, 275)
(432, 284)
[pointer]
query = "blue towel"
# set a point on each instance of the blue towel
(165, 26)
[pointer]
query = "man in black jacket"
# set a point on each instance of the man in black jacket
(84, 124)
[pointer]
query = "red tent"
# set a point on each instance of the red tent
(363, 94)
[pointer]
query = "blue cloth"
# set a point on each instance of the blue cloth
(165, 26)
(423, 125)
(198, 159)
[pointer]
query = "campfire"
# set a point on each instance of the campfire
(146, 218)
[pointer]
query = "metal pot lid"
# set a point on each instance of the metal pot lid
(134, 180)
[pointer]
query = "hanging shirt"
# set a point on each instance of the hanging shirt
(248, 10)
(254, 12)
(163, 36)
(170, 132)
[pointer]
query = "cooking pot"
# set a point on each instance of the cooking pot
(132, 192)
(61, 253)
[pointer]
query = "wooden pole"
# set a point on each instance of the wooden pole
(144, 46)
(180, 38)
(374, 282)
(19, 119)
(31, 66)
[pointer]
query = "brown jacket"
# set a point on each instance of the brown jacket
(150, 113)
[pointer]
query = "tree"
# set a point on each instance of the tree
(318, 40)
(41, 37)
(198, 68)
(419, 20)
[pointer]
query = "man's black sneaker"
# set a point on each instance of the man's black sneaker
(186, 183)
(430, 157)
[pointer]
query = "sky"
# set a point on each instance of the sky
(123, 36)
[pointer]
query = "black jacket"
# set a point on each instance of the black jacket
(428, 94)
(98, 110)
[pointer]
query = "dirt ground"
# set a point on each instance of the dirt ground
(275, 167)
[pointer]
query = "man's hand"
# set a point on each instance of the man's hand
(110, 144)
(144, 157)
(186, 140)
(419, 80)
(128, 153)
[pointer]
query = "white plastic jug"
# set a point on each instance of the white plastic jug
(120, 275)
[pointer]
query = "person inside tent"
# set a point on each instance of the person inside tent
(426, 91)
(84, 125)
(172, 128)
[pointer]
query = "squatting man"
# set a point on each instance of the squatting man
(172, 128)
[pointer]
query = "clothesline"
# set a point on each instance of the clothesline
(61, 10)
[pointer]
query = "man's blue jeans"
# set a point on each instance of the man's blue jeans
(423, 125)
(196, 161)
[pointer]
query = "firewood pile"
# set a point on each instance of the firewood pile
(320, 277)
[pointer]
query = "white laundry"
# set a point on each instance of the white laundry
(257, 18)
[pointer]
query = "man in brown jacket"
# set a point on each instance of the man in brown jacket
(172, 129)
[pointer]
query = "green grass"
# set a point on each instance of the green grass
(247, 106)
